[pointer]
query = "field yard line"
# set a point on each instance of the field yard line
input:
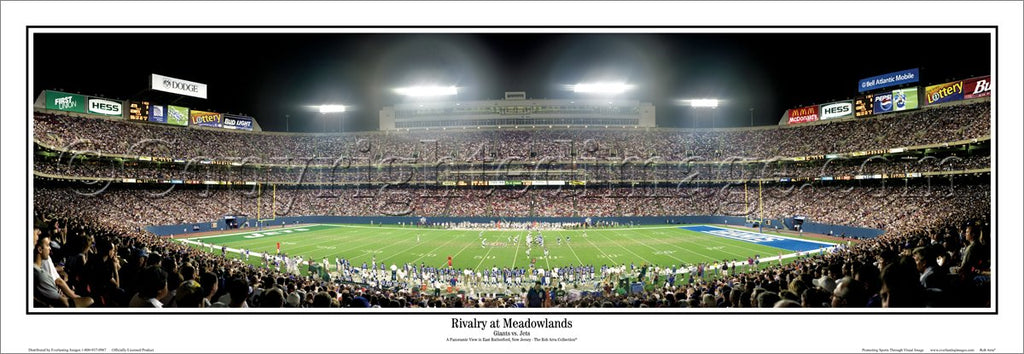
(516, 256)
(655, 249)
(360, 244)
(571, 250)
(628, 250)
(631, 228)
(484, 258)
(331, 238)
(460, 251)
(547, 262)
(403, 251)
(253, 231)
(610, 260)
(435, 249)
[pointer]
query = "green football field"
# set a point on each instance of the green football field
(661, 245)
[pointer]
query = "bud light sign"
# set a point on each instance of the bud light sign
(977, 87)
(232, 121)
(883, 103)
(890, 79)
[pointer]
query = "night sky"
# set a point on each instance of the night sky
(269, 76)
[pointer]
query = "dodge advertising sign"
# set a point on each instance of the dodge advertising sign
(890, 79)
(177, 86)
(206, 119)
(863, 106)
(65, 101)
(977, 87)
(232, 121)
(904, 99)
(105, 107)
(803, 115)
(836, 110)
(947, 92)
(177, 115)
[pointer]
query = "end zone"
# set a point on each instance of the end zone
(783, 242)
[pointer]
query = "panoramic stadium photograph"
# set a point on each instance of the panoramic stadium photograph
(394, 170)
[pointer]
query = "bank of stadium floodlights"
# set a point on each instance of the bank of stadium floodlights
(427, 91)
(602, 88)
(326, 110)
(698, 104)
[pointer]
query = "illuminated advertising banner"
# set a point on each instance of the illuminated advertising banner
(947, 92)
(232, 121)
(62, 101)
(904, 99)
(890, 79)
(158, 114)
(977, 87)
(883, 103)
(836, 110)
(803, 115)
(177, 115)
(105, 107)
(205, 119)
(138, 111)
(864, 106)
(177, 86)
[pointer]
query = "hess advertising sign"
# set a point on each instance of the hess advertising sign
(836, 110)
(177, 86)
(105, 107)
(803, 115)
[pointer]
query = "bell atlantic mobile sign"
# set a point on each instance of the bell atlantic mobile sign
(177, 86)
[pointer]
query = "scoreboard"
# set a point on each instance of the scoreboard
(138, 111)
(863, 106)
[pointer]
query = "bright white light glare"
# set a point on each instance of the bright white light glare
(709, 103)
(606, 88)
(426, 91)
(332, 108)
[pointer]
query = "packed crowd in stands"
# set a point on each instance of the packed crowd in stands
(89, 254)
(921, 127)
(894, 208)
(671, 172)
(91, 249)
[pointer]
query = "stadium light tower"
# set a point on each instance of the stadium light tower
(427, 91)
(333, 108)
(699, 103)
(603, 88)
